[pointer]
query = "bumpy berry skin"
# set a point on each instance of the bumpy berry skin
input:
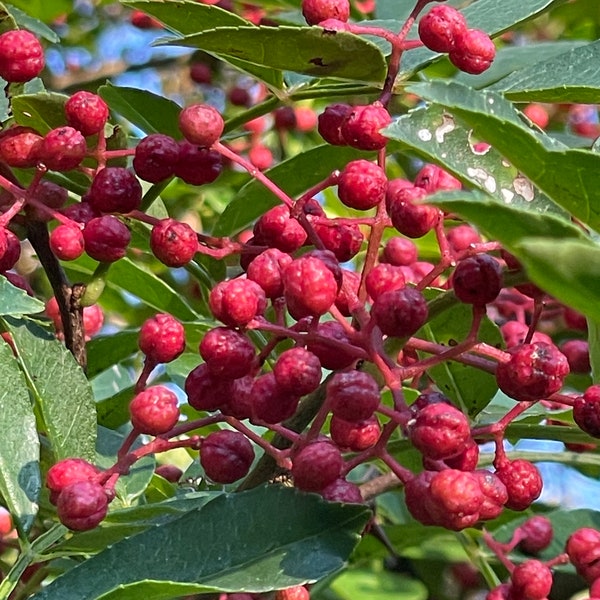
(227, 353)
(330, 121)
(62, 149)
(106, 238)
(361, 127)
(115, 189)
(439, 26)
(86, 112)
(10, 249)
(226, 456)
(155, 157)
(456, 495)
(537, 534)
(154, 411)
(467, 459)
(362, 184)
(66, 472)
(343, 239)
(82, 505)
(477, 279)
(473, 51)
(297, 371)
(19, 146)
(400, 313)
(416, 494)
(66, 242)
(500, 592)
(583, 548)
(277, 229)
(270, 403)
(201, 124)
(384, 278)
(531, 580)
(80, 212)
(523, 483)
(162, 338)
(355, 436)
(316, 466)
(494, 492)
(399, 251)
(197, 165)
(346, 298)
(353, 396)
(332, 357)
(439, 431)
(310, 287)
(237, 301)
(533, 372)
(586, 411)
(205, 391)
(408, 215)
(462, 237)
(267, 270)
(174, 243)
(21, 56)
(315, 11)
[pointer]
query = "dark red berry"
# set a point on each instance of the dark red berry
(333, 347)
(227, 353)
(316, 466)
(62, 149)
(21, 56)
(462, 237)
(206, 391)
(19, 146)
(523, 483)
(533, 372)
(162, 338)
(86, 112)
(201, 124)
(586, 411)
(473, 51)
(439, 26)
(361, 128)
(353, 395)
(47, 194)
(240, 96)
(10, 249)
(315, 11)
(82, 505)
(197, 165)
(174, 243)
(171, 473)
(201, 73)
(297, 371)
(68, 471)
(106, 238)
(154, 411)
(574, 319)
(156, 157)
(267, 270)
(330, 123)
(407, 213)
(384, 278)
(115, 189)
(80, 212)
(342, 491)
(477, 279)
(270, 403)
(66, 242)
(417, 498)
(399, 251)
(537, 534)
(237, 301)
(277, 229)
(578, 355)
(434, 179)
(355, 436)
(239, 398)
(400, 313)
(343, 239)
(531, 580)
(583, 548)
(347, 299)
(284, 117)
(226, 456)
(362, 184)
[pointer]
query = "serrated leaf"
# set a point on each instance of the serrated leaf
(43, 10)
(59, 387)
(309, 50)
(15, 301)
(295, 175)
(569, 77)
(104, 351)
(43, 111)
(150, 112)
(244, 541)
(20, 479)
(368, 584)
(540, 158)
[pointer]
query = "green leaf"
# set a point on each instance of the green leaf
(368, 584)
(150, 112)
(540, 158)
(43, 10)
(42, 111)
(104, 351)
(25, 21)
(308, 50)
(114, 411)
(7, 21)
(59, 387)
(237, 542)
(569, 77)
(295, 175)
(15, 301)
(438, 137)
(594, 346)
(20, 480)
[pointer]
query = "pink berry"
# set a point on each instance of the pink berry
(361, 128)
(384, 278)
(162, 338)
(260, 156)
(408, 214)
(19, 146)
(353, 396)
(6, 522)
(523, 483)
(462, 237)
(237, 301)
(330, 123)
(270, 403)
(226, 456)
(267, 270)
(400, 313)
(86, 112)
(66, 242)
(362, 184)
(278, 229)
(154, 411)
(68, 471)
(399, 251)
(500, 592)
(316, 466)
(115, 189)
(439, 26)
(477, 279)
(578, 355)
(434, 179)
(315, 11)
(342, 491)
(583, 548)
(495, 494)
(10, 249)
(21, 56)
(586, 411)
(531, 580)
(197, 165)
(227, 353)
(473, 51)
(456, 494)
(355, 436)
(297, 371)
(201, 124)
(62, 149)
(343, 239)
(156, 157)
(82, 505)
(93, 318)
(106, 238)
(306, 118)
(537, 534)
(174, 243)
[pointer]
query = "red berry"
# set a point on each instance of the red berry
(66, 472)
(156, 157)
(361, 128)
(201, 124)
(197, 165)
(19, 146)
(297, 371)
(206, 391)
(66, 242)
(270, 403)
(537, 534)
(353, 396)
(408, 215)
(21, 56)
(342, 491)
(10, 249)
(106, 238)
(332, 355)
(260, 156)
(495, 494)
(439, 26)
(399, 251)
(86, 112)
(533, 372)
(531, 580)
(93, 318)
(267, 270)
(417, 498)
(362, 184)
(400, 313)
(330, 123)
(477, 279)
(48, 194)
(523, 483)
(298, 592)
(227, 353)
(538, 114)
(277, 229)
(201, 73)
(315, 11)
(173, 243)
(306, 118)
(169, 472)
(240, 96)
(62, 149)
(347, 299)
(356, 435)
(462, 237)
(343, 239)
(115, 189)
(473, 51)
(154, 411)
(384, 278)
(6, 522)
(316, 466)
(162, 338)
(434, 179)
(82, 505)
(586, 411)
(237, 301)
(456, 495)
(284, 118)
(239, 399)
(500, 592)
(226, 456)
(467, 459)
(574, 319)
(583, 548)
(578, 355)
(80, 212)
